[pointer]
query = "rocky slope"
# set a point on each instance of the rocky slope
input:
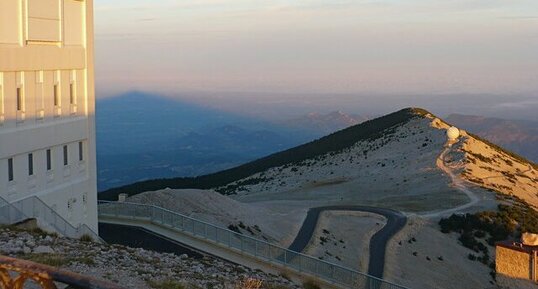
(519, 136)
(397, 169)
(209, 206)
(130, 267)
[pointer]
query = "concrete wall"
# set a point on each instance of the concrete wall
(47, 101)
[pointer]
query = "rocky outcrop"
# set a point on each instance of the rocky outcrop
(130, 267)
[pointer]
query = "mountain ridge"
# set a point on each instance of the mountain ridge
(332, 142)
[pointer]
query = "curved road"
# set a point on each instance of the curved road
(378, 244)
(457, 183)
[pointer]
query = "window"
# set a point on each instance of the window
(10, 169)
(30, 164)
(10, 26)
(20, 99)
(72, 96)
(43, 22)
(66, 161)
(56, 95)
(1, 96)
(49, 160)
(80, 151)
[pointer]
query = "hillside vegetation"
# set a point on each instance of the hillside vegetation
(369, 130)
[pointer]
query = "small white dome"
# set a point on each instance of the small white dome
(453, 133)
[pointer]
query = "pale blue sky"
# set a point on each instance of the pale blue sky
(415, 46)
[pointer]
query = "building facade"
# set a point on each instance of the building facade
(47, 106)
(516, 265)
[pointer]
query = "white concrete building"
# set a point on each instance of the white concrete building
(47, 120)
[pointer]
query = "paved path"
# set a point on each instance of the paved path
(458, 183)
(378, 244)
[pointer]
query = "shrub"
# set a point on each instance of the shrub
(54, 260)
(86, 238)
(249, 283)
(310, 285)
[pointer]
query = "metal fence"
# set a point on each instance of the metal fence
(258, 249)
(34, 207)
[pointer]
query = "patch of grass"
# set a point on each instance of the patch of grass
(86, 238)
(55, 260)
(310, 285)
(85, 260)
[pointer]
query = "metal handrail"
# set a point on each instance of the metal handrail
(59, 223)
(9, 213)
(15, 272)
(288, 258)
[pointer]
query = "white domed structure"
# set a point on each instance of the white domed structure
(453, 133)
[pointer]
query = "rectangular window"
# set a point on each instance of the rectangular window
(49, 160)
(10, 169)
(66, 161)
(44, 21)
(30, 164)
(80, 151)
(1, 95)
(20, 99)
(56, 95)
(72, 96)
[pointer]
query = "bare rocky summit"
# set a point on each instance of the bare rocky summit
(134, 268)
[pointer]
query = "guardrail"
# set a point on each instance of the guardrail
(34, 207)
(9, 214)
(253, 247)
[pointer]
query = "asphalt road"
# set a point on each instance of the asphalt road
(378, 243)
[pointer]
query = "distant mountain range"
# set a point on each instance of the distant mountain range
(373, 136)
(324, 123)
(519, 136)
(142, 136)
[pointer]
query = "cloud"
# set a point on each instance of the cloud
(520, 17)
